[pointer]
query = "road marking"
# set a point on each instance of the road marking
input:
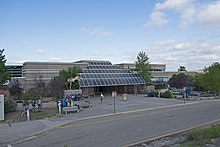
(173, 133)
(26, 139)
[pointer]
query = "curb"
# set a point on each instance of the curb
(171, 134)
(48, 129)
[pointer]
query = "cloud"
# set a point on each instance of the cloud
(209, 14)
(157, 18)
(188, 12)
(194, 54)
(97, 31)
(41, 51)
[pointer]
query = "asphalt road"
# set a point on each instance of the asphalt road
(127, 128)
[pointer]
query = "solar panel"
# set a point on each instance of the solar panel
(106, 74)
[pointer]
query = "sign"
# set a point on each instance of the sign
(2, 117)
(188, 91)
(114, 94)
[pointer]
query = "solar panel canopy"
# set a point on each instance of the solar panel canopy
(103, 73)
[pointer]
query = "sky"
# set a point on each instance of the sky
(172, 32)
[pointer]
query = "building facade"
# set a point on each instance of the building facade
(95, 77)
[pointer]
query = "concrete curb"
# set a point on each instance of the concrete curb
(48, 129)
(172, 134)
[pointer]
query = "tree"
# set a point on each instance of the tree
(40, 86)
(210, 80)
(15, 88)
(180, 81)
(142, 66)
(182, 68)
(64, 75)
(56, 87)
(4, 74)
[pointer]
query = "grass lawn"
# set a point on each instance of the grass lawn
(202, 136)
(43, 114)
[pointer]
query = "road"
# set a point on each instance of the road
(127, 128)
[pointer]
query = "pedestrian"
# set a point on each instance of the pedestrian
(23, 109)
(39, 104)
(33, 103)
(63, 102)
(66, 101)
(102, 96)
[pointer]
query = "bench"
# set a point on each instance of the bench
(69, 109)
(87, 104)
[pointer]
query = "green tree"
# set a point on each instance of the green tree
(64, 75)
(210, 80)
(4, 74)
(142, 66)
(182, 68)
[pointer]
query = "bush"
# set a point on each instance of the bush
(10, 106)
(166, 94)
(203, 136)
(154, 93)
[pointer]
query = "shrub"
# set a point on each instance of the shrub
(203, 136)
(154, 93)
(9, 106)
(166, 94)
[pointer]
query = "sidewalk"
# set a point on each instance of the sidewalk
(28, 130)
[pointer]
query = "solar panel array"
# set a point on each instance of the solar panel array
(106, 74)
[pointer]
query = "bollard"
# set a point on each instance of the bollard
(28, 115)
(59, 107)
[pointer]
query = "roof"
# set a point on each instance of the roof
(106, 74)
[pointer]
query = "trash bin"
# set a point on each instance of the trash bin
(125, 97)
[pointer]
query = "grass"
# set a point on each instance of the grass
(45, 113)
(203, 136)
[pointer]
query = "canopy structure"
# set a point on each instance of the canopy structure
(103, 73)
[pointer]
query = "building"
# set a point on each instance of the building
(44, 71)
(15, 70)
(154, 67)
(95, 76)
(158, 72)
(103, 77)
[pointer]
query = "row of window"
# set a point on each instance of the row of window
(100, 63)
(104, 67)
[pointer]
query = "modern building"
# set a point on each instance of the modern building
(44, 71)
(103, 77)
(158, 72)
(95, 76)
(154, 67)
(15, 70)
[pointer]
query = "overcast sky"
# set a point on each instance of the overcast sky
(172, 32)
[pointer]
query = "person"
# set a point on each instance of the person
(33, 103)
(66, 101)
(23, 109)
(63, 102)
(70, 101)
(102, 96)
(39, 104)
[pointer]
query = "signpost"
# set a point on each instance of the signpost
(114, 95)
(2, 117)
(186, 92)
